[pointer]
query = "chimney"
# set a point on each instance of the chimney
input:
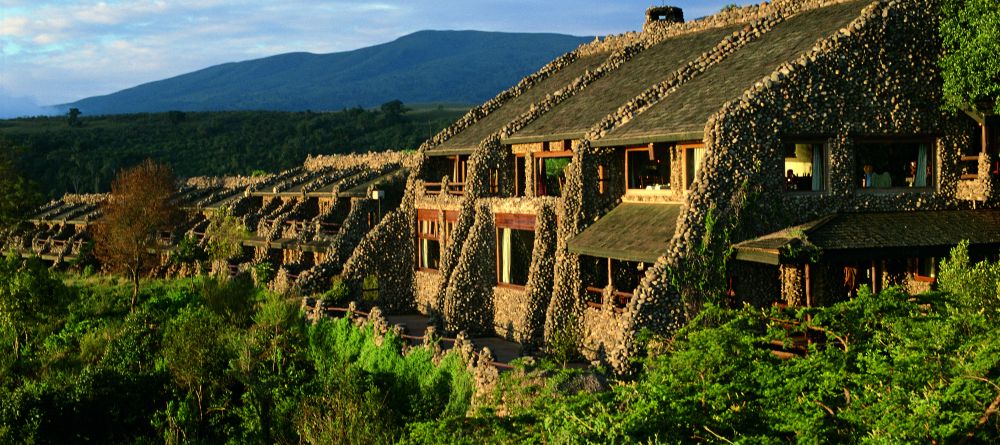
(668, 14)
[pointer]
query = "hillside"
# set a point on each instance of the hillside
(424, 67)
(67, 158)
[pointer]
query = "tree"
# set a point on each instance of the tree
(224, 235)
(970, 32)
(73, 117)
(138, 209)
(19, 195)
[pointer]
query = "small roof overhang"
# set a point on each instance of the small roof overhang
(631, 232)
(515, 139)
(612, 141)
(449, 151)
(856, 236)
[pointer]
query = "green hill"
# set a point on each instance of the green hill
(424, 67)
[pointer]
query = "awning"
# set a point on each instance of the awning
(631, 232)
(876, 235)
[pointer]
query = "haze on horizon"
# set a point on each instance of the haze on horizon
(58, 51)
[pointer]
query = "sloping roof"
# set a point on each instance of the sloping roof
(468, 139)
(633, 232)
(877, 234)
(683, 113)
(572, 118)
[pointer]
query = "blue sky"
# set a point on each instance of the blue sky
(59, 51)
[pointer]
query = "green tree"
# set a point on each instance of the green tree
(970, 66)
(19, 195)
(73, 117)
(224, 235)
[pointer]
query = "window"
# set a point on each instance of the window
(515, 243)
(894, 164)
(428, 240)
(805, 167)
(924, 269)
(648, 167)
(519, 175)
(624, 277)
(550, 172)
(450, 219)
(693, 154)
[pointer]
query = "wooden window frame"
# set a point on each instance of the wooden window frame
(686, 150)
(932, 157)
(432, 216)
(521, 175)
(513, 221)
(826, 165)
(539, 158)
(916, 270)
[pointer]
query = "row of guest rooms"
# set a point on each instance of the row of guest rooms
(664, 173)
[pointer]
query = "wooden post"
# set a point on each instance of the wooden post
(874, 272)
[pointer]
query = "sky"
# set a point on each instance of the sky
(59, 51)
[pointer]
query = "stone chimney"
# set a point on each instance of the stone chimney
(667, 14)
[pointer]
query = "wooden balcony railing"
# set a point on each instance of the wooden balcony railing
(969, 167)
(454, 188)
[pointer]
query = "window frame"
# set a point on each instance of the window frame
(825, 150)
(538, 160)
(650, 149)
(932, 159)
(687, 150)
(512, 221)
(432, 217)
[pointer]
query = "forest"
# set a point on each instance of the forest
(81, 154)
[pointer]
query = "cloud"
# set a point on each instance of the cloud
(59, 51)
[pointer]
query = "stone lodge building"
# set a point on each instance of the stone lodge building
(786, 152)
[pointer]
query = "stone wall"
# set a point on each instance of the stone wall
(882, 67)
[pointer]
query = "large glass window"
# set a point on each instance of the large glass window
(515, 243)
(648, 167)
(428, 241)
(805, 167)
(550, 174)
(894, 165)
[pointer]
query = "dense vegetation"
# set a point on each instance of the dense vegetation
(85, 156)
(200, 361)
(970, 30)
(208, 361)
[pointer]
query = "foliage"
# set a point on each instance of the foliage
(886, 368)
(202, 361)
(224, 235)
(973, 286)
(338, 293)
(19, 195)
(84, 159)
(970, 32)
(138, 210)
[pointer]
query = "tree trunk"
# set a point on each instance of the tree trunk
(135, 290)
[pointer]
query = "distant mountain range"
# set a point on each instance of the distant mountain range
(457, 67)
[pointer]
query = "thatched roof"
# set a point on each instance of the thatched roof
(682, 114)
(649, 228)
(469, 139)
(886, 234)
(572, 118)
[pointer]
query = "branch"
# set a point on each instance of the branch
(990, 411)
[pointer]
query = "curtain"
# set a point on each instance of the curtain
(920, 176)
(505, 256)
(699, 154)
(817, 167)
(425, 260)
